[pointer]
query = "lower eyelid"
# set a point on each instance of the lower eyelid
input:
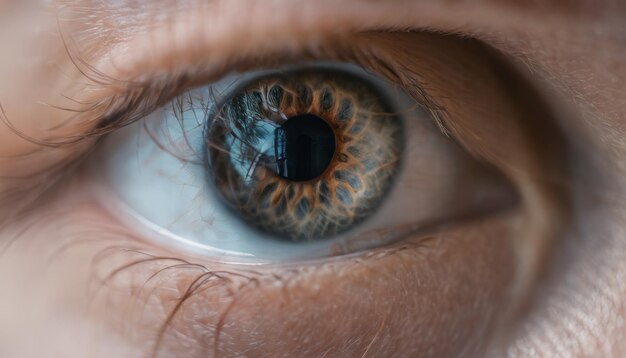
(286, 306)
(313, 307)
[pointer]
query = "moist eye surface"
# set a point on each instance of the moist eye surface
(305, 155)
(298, 162)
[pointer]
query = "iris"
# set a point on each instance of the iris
(304, 155)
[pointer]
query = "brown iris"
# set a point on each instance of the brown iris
(305, 155)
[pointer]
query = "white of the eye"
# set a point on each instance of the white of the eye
(171, 197)
(157, 191)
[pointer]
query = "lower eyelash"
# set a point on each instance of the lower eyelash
(122, 266)
(192, 281)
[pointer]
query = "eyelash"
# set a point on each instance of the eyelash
(197, 277)
(141, 97)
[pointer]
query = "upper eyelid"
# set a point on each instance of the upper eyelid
(141, 67)
(132, 100)
(118, 101)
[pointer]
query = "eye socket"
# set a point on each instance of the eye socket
(305, 155)
(158, 173)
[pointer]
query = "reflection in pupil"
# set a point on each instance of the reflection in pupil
(304, 147)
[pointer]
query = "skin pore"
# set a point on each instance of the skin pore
(543, 279)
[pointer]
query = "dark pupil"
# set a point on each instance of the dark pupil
(304, 146)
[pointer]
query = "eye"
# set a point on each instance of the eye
(299, 162)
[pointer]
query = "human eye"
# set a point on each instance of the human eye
(350, 187)
(303, 162)
(196, 178)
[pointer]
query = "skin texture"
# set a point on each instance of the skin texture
(545, 278)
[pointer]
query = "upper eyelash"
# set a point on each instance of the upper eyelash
(138, 98)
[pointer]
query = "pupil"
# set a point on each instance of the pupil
(304, 147)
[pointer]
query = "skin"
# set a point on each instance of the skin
(545, 278)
